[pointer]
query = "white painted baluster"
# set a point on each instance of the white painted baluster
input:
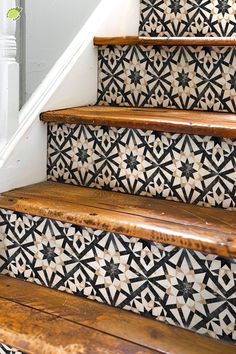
(9, 74)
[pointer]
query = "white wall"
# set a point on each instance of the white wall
(50, 26)
(71, 82)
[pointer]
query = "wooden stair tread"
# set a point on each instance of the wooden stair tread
(210, 230)
(165, 120)
(166, 41)
(37, 311)
(29, 325)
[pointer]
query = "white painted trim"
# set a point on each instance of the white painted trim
(71, 82)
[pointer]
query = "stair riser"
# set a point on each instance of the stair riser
(187, 168)
(197, 78)
(186, 18)
(5, 349)
(181, 287)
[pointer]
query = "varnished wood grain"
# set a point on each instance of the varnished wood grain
(166, 41)
(38, 332)
(119, 323)
(209, 230)
(164, 120)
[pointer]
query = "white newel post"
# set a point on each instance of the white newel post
(9, 74)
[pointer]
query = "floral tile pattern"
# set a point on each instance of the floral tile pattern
(178, 286)
(195, 78)
(187, 168)
(5, 349)
(188, 18)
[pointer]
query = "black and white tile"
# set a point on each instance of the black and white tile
(195, 78)
(187, 168)
(5, 349)
(188, 18)
(178, 286)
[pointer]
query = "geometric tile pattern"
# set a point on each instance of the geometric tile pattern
(188, 18)
(187, 168)
(5, 349)
(178, 286)
(195, 78)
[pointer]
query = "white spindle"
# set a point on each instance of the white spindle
(9, 74)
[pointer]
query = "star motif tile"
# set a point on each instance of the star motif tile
(5, 349)
(177, 286)
(186, 168)
(194, 78)
(181, 18)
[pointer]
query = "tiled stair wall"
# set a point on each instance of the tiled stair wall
(182, 18)
(201, 78)
(187, 168)
(177, 286)
(196, 78)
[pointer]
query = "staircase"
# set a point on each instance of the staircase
(139, 208)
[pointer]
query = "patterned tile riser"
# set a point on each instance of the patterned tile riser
(192, 169)
(178, 286)
(193, 78)
(188, 18)
(5, 349)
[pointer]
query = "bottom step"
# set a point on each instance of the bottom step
(43, 321)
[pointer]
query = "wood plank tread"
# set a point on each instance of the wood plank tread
(40, 320)
(210, 230)
(33, 324)
(165, 120)
(166, 41)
